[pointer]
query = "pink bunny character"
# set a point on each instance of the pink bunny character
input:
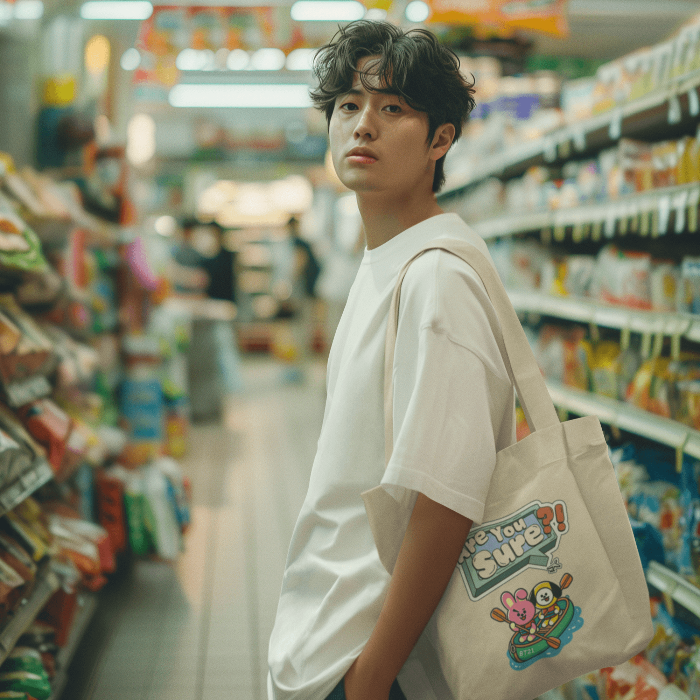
(521, 612)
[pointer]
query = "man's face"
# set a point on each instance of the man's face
(378, 142)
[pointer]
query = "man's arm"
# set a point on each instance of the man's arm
(429, 553)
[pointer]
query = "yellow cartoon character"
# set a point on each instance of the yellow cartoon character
(544, 597)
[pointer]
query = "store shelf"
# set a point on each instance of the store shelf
(666, 210)
(667, 110)
(669, 582)
(23, 487)
(599, 314)
(85, 613)
(626, 417)
(45, 587)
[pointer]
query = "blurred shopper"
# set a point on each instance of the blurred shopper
(203, 267)
(297, 272)
(395, 102)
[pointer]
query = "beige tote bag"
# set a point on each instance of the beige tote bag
(550, 585)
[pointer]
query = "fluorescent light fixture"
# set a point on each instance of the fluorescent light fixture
(116, 9)
(375, 14)
(301, 59)
(130, 60)
(238, 59)
(190, 59)
(29, 9)
(327, 10)
(268, 59)
(5, 13)
(270, 95)
(417, 11)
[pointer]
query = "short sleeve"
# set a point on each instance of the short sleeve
(453, 402)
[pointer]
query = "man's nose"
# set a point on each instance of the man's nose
(365, 127)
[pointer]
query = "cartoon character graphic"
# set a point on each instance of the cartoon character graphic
(521, 613)
(538, 620)
(544, 597)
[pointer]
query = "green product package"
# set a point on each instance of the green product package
(137, 517)
(24, 663)
(32, 260)
(37, 686)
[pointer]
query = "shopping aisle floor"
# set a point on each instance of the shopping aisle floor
(198, 630)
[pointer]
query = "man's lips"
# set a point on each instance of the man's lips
(362, 159)
(361, 155)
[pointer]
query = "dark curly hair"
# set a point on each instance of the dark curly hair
(411, 64)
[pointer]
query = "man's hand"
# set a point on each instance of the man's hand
(428, 556)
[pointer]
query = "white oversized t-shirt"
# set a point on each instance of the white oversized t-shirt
(453, 410)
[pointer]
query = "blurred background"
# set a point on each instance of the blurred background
(176, 252)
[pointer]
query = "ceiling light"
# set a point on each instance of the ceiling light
(117, 9)
(327, 10)
(417, 11)
(268, 59)
(29, 9)
(5, 13)
(238, 59)
(190, 59)
(271, 95)
(301, 59)
(131, 59)
(376, 15)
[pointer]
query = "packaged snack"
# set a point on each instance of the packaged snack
(664, 281)
(604, 368)
(689, 288)
(636, 166)
(24, 659)
(623, 277)
(35, 685)
(51, 426)
(651, 388)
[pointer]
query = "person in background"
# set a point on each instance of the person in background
(298, 270)
(203, 266)
(395, 103)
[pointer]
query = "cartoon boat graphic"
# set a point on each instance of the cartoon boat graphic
(524, 651)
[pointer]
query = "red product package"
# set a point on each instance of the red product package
(50, 426)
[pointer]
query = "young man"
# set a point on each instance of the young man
(345, 628)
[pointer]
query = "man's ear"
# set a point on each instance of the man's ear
(442, 140)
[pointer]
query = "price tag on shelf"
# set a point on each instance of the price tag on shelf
(579, 138)
(664, 212)
(610, 220)
(680, 203)
(615, 128)
(578, 232)
(596, 230)
(675, 113)
(550, 150)
(559, 233)
(693, 102)
(11, 495)
(564, 149)
(693, 203)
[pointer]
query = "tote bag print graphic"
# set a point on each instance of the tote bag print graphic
(541, 620)
(555, 549)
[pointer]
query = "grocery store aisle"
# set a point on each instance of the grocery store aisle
(198, 629)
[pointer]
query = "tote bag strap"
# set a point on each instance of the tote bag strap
(518, 356)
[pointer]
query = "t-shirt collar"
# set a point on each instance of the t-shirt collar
(397, 250)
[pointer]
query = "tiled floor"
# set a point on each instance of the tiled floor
(198, 629)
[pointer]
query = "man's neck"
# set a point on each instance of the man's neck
(384, 220)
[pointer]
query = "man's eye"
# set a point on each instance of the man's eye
(394, 109)
(350, 106)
